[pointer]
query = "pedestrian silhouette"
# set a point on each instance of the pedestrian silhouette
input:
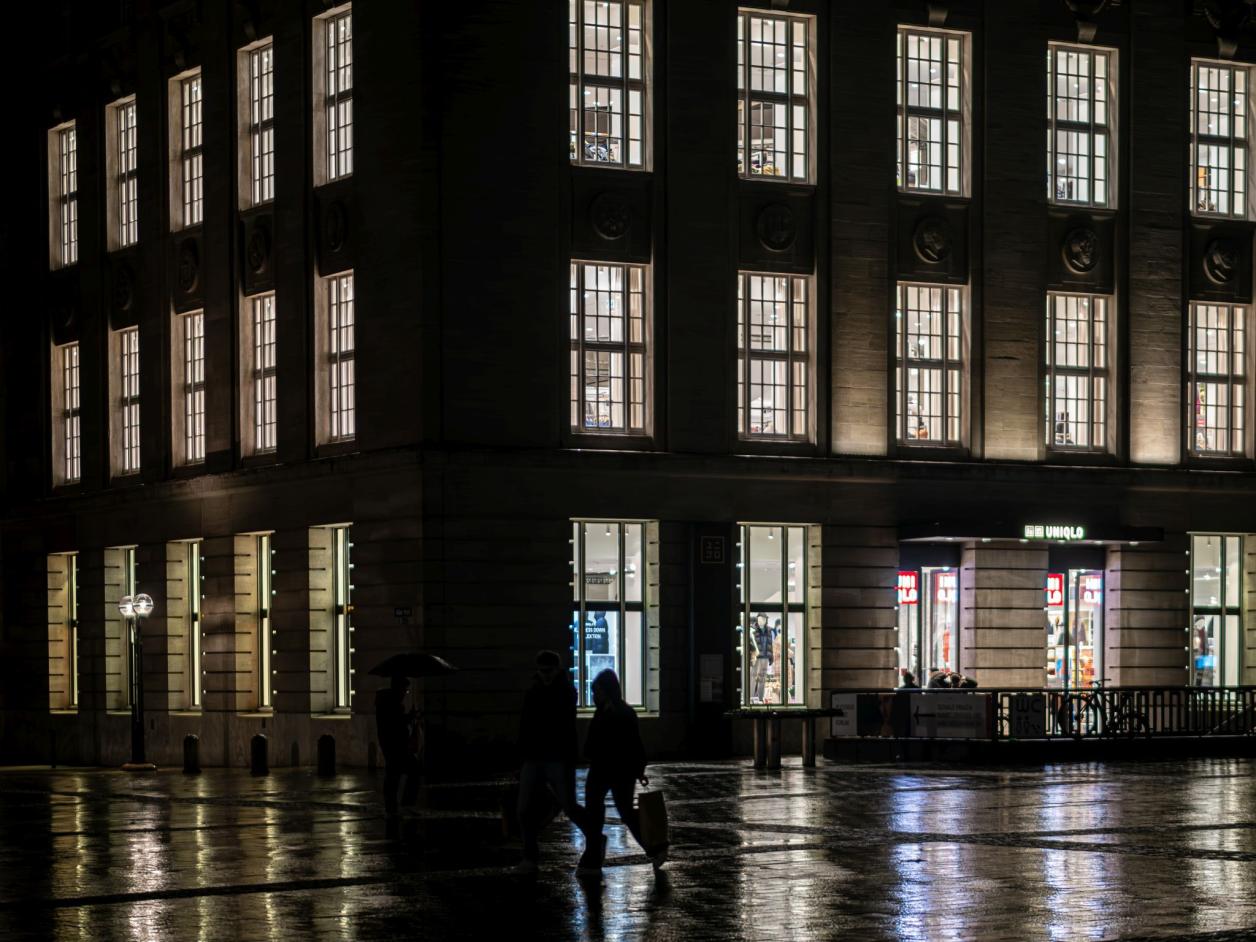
(394, 727)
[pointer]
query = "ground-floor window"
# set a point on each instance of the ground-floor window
(772, 625)
(1074, 628)
(928, 621)
(1216, 610)
(63, 687)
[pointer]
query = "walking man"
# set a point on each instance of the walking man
(392, 724)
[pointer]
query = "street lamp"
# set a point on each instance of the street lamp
(135, 609)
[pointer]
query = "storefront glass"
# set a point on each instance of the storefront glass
(928, 621)
(608, 619)
(771, 632)
(1074, 628)
(1216, 614)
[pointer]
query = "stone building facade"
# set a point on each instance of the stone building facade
(452, 337)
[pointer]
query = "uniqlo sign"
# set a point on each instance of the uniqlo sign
(1055, 588)
(908, 588)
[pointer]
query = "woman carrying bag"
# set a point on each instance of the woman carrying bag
(616, 763)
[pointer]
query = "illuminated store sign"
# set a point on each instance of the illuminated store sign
(908, 588)
(1055, 589)
(1038, 531)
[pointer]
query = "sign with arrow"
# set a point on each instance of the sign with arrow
(945, 714)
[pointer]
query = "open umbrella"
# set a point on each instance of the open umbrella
(413, 664)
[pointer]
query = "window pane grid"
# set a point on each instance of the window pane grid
(608, 348)
(193, 387)
(607, 85)
(339, 103)
(265, 639)
(342, 611)
(609, 600)
(191, 157)
(931, 97)
(774, 357)
(129, 347)
(341, 323)
(67, 194)
(70, 413)
(772, 623)
(265, 374)
(262, 124)
(1219, 140)
(1218, 380)
(1078, 125)
(929, 364)
(128, 174)
(1077, 369)
(773, 104)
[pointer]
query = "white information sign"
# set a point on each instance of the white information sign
(844, 723)
(1029, 716)
(945, 715)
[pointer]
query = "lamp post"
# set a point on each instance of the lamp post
(135, 609)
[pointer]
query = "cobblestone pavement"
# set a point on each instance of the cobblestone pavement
(1137, 850)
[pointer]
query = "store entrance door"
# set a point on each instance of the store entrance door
(1074, 628)
(928, 621)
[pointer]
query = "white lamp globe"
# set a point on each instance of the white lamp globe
(143, 605)
(126, 606)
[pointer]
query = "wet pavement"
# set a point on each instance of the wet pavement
(1096, 851)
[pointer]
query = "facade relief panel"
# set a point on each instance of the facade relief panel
(1221, 261)
(1081, 251)
(336, 222)
(932, 241)
(611, 215)
(257, 250)
(776, 228)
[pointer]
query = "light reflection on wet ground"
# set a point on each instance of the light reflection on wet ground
(1152, 850)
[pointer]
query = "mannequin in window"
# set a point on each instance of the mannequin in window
(761, 640)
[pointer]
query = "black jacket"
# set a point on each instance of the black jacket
(614, 745)
(547, 727)
(391, 722)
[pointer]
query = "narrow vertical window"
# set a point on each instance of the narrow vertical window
(1076, 393)
(129, 404)
(261, 127)
(125, 183)
(775, 95)
(195, 593)
(193, 387)
(63, 680)
(1216, 642)
(1219, 140)
(189, 159)
(1080, 125)
(929, 365)
(265, 638)
(338, 94)
(933, 111)
(66, 408)
(340, 356)
(608, 348)
(772, 629)
(1217, 386)
(608, 83)
(265, 374)
(63, 188)
(609, 602)
(342, 612)
(774, 357)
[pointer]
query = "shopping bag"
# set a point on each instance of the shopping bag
(653, 814)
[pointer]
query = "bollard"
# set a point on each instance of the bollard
(326, 755)
(258, 762)
(191, 755)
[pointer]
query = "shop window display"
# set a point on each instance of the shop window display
(1219, 139)
(608, 348)
(774, 96)
(609, 81)
(1216, 641)
(774, 357)
(1217, 389)
(1074, 628)
(928, 621)
(929, 364)
(933, 108)
(1076, 372)
(608, 615)
(1080, 124)
(771, 631)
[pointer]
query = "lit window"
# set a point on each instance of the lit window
(120, 666)
(261, 123)
(1217, 385)
(774, 96)
(336, 86)
(124, 158)
(1216, 642)
(1219, 134)
(265, 638)
(188, 172)
(929, 364)
(609, 605)
(608, 348)
(63, 652)
(1077, 372)
(774, 356)
(933, 110)
(1080, 121)
(772, 625)
(193, 370)
(265, 374)
(63, 188)
(66, 408)
(186, 591)
(607, 59)
(340, 356)
(129, 399)
(342, 612)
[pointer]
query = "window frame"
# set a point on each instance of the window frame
(1235, 379)
(129, 400)
(333, 137)
(264, 373)
(748, 609)
(944, 365)
(194, 586)
(192, 387)
(791, 356)
(264, 560)
(63, 195)
(1241, 203)
(1092, 372)
(187, 154)
(341, 640)
(796, 148)
(581, 80)
(961, 140)
(258, 114)
(122, 162)
(1091, 129)
(341, 363)
(1223, 611)
(67, 410)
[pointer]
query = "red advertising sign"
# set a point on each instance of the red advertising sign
(944, 590)
(908, 587)
(1055, 589)
(1092, 589)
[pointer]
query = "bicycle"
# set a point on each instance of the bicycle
(1085, 712)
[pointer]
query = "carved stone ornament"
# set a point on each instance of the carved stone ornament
(932, 239)
(63, 317)
(775, 227)
(1221, 260)
(336, 225)
(1080, 250)
(123, 288)
(189, 270)
(257, 252)
(610, 215)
